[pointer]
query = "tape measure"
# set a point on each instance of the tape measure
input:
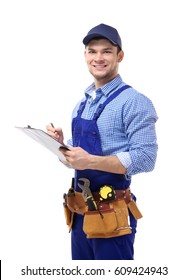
(107, 193)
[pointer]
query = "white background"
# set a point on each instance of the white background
(43, 75)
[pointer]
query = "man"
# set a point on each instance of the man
(113, 138)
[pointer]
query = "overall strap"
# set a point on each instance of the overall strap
(81, 108)
(102, 106)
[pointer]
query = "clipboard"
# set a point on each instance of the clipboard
(45, 140)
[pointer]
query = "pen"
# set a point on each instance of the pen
(54, 128)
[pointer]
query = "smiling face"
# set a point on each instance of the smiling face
(102, 59)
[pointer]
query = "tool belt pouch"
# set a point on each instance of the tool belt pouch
(76, 203)
(112, 220)
(68, 216)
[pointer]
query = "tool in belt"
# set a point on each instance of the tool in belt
(87, 194)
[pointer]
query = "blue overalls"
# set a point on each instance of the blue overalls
(85, 134)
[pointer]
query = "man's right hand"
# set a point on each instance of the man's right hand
(55, 132)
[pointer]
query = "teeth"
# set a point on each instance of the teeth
(99, 66)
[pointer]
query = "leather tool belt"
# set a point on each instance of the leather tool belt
(111, 217)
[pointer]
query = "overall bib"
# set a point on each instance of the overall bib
(85, 134)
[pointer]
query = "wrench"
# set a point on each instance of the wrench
(85, 188)
(87, 194)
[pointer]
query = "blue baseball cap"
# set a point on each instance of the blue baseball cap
(104, 31)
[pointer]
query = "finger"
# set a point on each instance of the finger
(52, 131)
(50, 128)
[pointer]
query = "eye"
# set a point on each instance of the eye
(107, 51)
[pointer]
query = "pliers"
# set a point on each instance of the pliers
(87, 194)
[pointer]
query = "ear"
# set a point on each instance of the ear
(120, 56)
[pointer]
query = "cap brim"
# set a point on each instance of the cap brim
(88, 38)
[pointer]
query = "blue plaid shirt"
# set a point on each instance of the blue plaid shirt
(126, 125)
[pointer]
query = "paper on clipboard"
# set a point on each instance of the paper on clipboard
(46, 140)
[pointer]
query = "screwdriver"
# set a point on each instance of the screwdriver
(92, 206)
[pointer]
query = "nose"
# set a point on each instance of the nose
(98, 56)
